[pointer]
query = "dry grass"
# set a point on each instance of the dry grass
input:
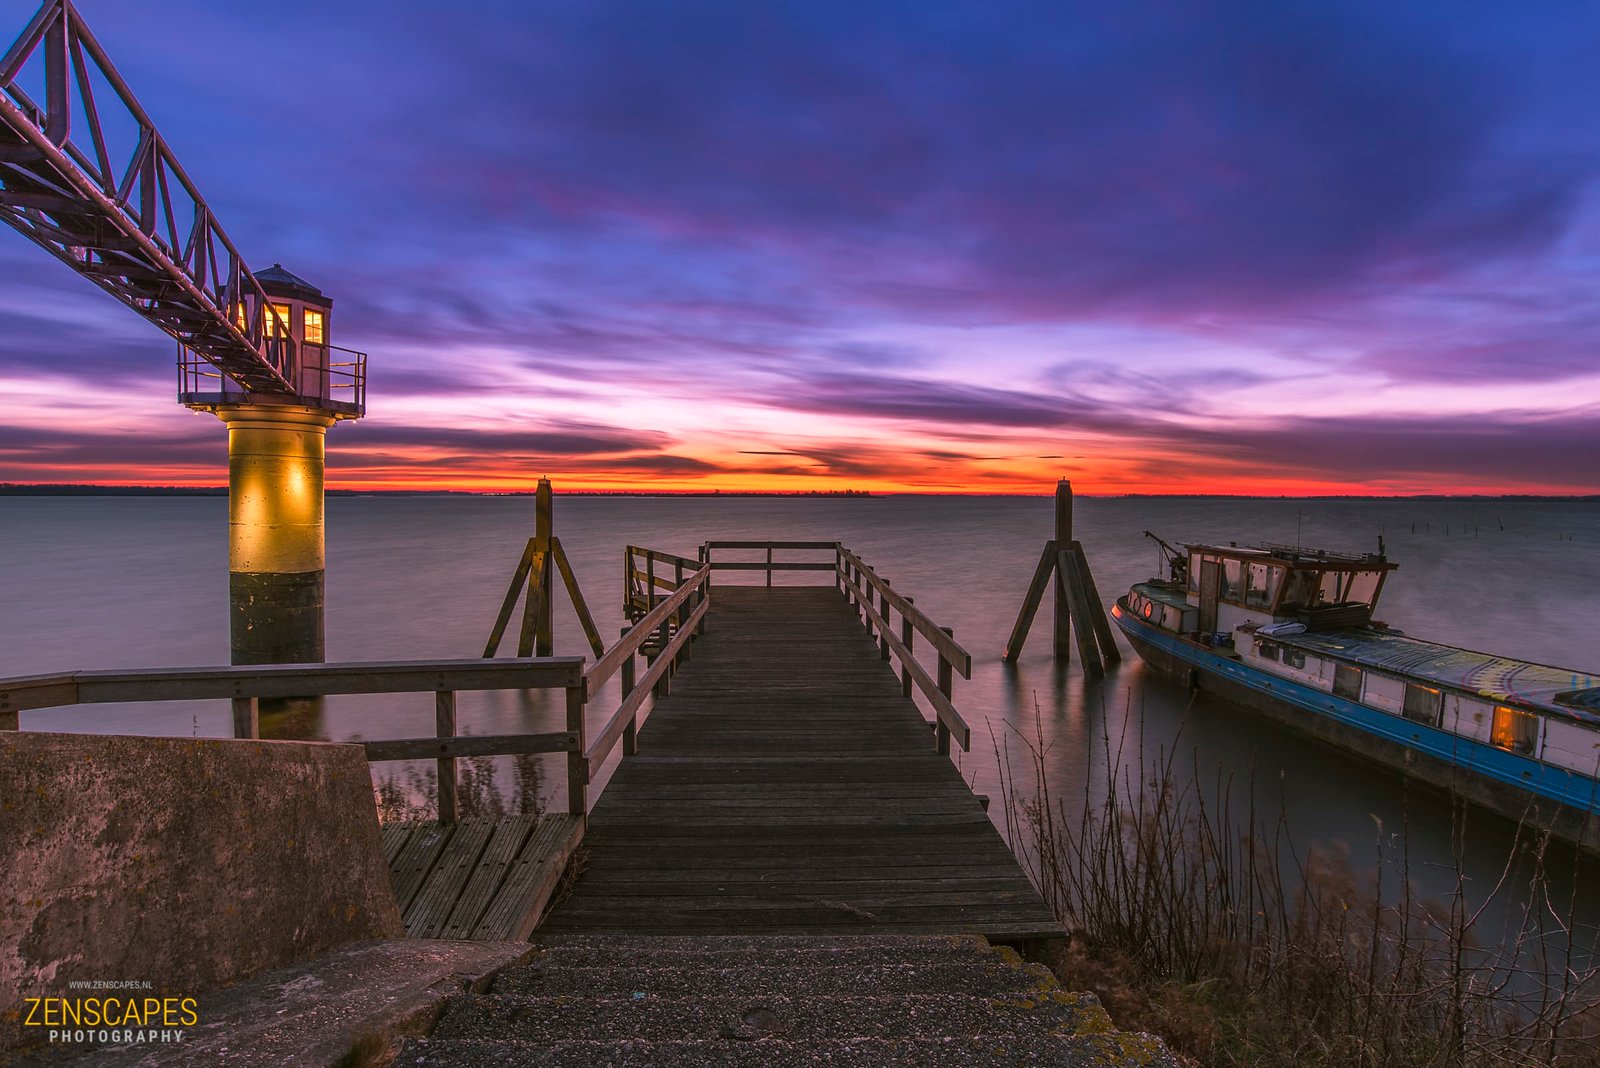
(1198, 922)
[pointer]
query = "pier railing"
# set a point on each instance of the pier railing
(664, 624)
(863, 587)
(877, 604)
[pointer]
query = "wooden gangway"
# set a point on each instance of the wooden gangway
(787, 782)
(776, 774)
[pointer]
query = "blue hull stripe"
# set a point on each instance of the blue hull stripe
(1488, 761)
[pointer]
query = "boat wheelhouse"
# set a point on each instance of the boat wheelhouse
(1290, 632)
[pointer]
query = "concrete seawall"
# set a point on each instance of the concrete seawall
(185, 863)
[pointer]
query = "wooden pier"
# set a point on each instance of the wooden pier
(784, 781)
(788, 784)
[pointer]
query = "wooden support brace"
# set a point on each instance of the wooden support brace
(1097, 608)
(575, 594)
(1030, 604)
(509, 605)
(1070, 586)
(947, 680)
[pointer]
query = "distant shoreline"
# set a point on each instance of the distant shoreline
(9, 489)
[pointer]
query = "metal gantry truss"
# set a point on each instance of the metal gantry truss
(136, 227)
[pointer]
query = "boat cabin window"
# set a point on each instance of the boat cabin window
(1261, 583)
(1423, 704)
(1267, 650)
(1363, 586)
(1232, 588)
(1515, 730)
(1300, 590)
(1347, 682)
(1295, 658)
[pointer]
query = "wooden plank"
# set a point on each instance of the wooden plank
(431, 909)
(299, 680)
(505, 844)
(470, 745)
(517, 908)
(1030, 604)
(1097, 607)
(416, 860)
(395, 836)
(787, 784)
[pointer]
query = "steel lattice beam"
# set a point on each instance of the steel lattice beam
(137, 228)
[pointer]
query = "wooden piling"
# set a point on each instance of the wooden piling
(1063, 641)
(1079, 611)
(543, 532)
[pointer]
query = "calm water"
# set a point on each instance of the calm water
(136, 582)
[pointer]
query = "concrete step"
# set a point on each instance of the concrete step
(728, 951)
(548, 1020)
(776, 976)
(1110, 1050)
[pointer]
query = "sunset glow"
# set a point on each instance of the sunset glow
(1344, 248)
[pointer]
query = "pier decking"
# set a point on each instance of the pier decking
(787, 785)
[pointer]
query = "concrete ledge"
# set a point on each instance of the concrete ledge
(185, 864)
(317, 1013)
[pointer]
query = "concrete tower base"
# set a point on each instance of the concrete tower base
(275, 532)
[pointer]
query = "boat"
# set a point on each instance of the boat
(1289, 632)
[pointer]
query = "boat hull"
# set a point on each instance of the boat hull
(1310, 712)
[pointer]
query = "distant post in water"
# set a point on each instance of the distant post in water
(1078, 611)
(1063, 615)
(543, 531)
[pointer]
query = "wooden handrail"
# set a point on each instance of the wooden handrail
(247, 681)
(771, 545)
(245, 685)
(628, 646)
(624, 716)
(936, 693)
(947, 646)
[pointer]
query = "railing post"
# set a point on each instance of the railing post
(246, 717)
(683, 610)
(543, 530)
(908, 635)
(705, 592)
(769, 565)
(883, 632)
(663, 639)
(577, 763)
(630, 676)
(444, 704)
(947, 685)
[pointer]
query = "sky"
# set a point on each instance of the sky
(1151, 247)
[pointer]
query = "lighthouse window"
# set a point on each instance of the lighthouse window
(313, 327)
(1423, 704)
(270, 327)
(1347, 682)
(1515, 730)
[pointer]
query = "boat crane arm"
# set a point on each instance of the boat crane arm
(1177, 562)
